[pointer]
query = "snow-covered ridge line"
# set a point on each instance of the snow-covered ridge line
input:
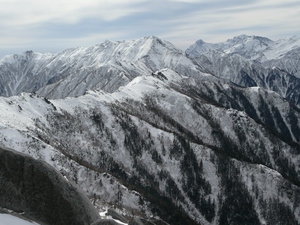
(106, 66)
(251, 47)
(169, 136)
(110, 65)
(163, 131)
(252, 61)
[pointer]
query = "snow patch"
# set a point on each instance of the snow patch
(7, 219)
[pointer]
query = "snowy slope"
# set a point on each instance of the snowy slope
(166, 136)
(210, 136)
(18, 72)
(245, 60)
(250, 47)
(6, 219)
(253, 61)
(106, 66)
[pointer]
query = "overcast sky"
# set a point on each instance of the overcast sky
(54, 25)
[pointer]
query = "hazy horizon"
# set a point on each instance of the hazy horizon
(52, 26)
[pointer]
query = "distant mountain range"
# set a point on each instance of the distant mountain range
(245, 60)
(206, 136)
(253, 61)
(106, 66)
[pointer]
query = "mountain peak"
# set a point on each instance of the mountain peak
(200, 42)
(156, 134)
(156, 42)
(240, 37)
(152, 37)
(247, 46)
(243, 38)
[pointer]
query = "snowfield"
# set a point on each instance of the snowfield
(7, 219)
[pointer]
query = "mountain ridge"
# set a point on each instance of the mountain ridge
(142, 137)
(145, 128)
(106, 66)
(109, 65)
(245, 62)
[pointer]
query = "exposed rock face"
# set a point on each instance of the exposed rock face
(34, 188)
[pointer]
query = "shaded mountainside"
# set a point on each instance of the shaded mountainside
(38, 192)
(186, 150)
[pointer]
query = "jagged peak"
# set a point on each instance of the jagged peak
(248, 46)
(292, 42)
(157, 42)
(106, 43)
(198, 48)
(243, 38)
(290, 38)
(152, 37)
(239, 37)
(200, 42)
(24, 56)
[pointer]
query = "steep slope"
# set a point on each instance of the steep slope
(253, 61)
(287, 58)
(187, 150)
(24, 72)
(245, 60)
(106, 66)
(38, 192)
(249, 47)
(257, 48)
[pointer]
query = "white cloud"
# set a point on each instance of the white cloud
(193, 1)
(20, 12)
(53, 45)
(268, 18)
(62, 23)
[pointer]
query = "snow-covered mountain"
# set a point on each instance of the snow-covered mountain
(245, 60)
(253, 61)
(249, 47)
(106, 66)
(206, 136)
(186, 150)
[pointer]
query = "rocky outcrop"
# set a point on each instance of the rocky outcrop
(40, 193)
